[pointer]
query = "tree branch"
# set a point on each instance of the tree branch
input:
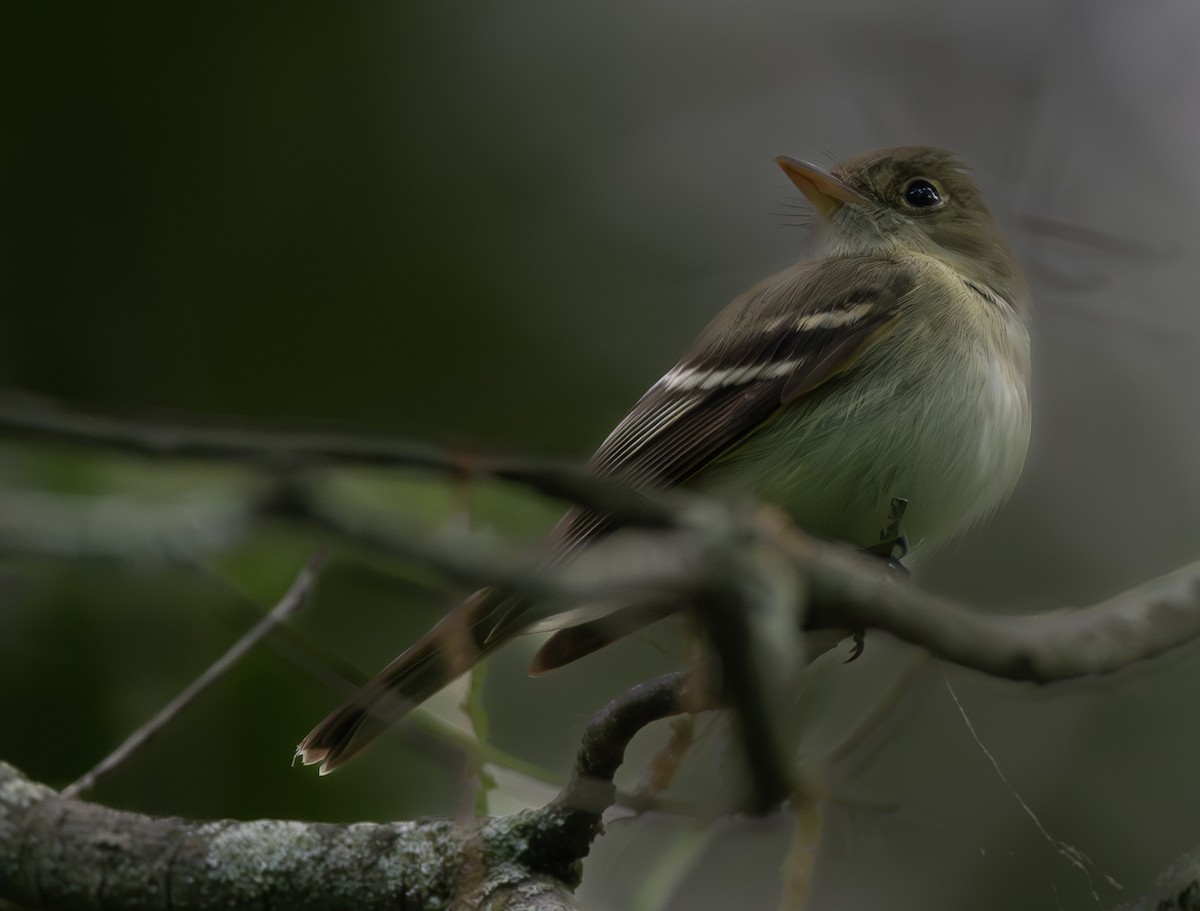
(712, 546)
(284, 452)
(57, 852)
(1142, 623)
(755, 583)
(846, 590)
(61, 853)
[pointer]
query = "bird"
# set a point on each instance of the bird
(890, 362)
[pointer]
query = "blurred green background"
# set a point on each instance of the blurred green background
(492, 227)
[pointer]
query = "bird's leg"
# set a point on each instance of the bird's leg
(892, 547)
(893, 544)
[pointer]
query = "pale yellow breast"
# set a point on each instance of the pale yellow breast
(935, 412)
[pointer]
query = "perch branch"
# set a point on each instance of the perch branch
(61, 853)
(58, 852)
(845, 589)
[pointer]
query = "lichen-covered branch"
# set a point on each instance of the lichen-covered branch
(602, 749)
(57, 852)
(756, 585)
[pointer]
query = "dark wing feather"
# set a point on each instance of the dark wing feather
(679, 427)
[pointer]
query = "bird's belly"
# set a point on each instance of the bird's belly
(836, 464)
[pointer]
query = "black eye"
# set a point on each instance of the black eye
(921, 194)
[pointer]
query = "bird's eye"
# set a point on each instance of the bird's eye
(919, 193)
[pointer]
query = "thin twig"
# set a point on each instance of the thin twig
(40, 418)
(277, 615)
(321, 664)
(286, 451)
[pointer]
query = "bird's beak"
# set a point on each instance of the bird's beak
(826, 192)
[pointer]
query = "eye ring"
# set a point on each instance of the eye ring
(922, 193)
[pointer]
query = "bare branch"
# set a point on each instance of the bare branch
(1140, 624)
(845, 590)
(755, 583)
(591, 790)
(285, 452)
(60, 853)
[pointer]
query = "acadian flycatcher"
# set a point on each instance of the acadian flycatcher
(891, 362)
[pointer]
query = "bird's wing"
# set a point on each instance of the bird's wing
(789, 335)
(781, 341)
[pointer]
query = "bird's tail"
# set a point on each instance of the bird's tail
(462, 638)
